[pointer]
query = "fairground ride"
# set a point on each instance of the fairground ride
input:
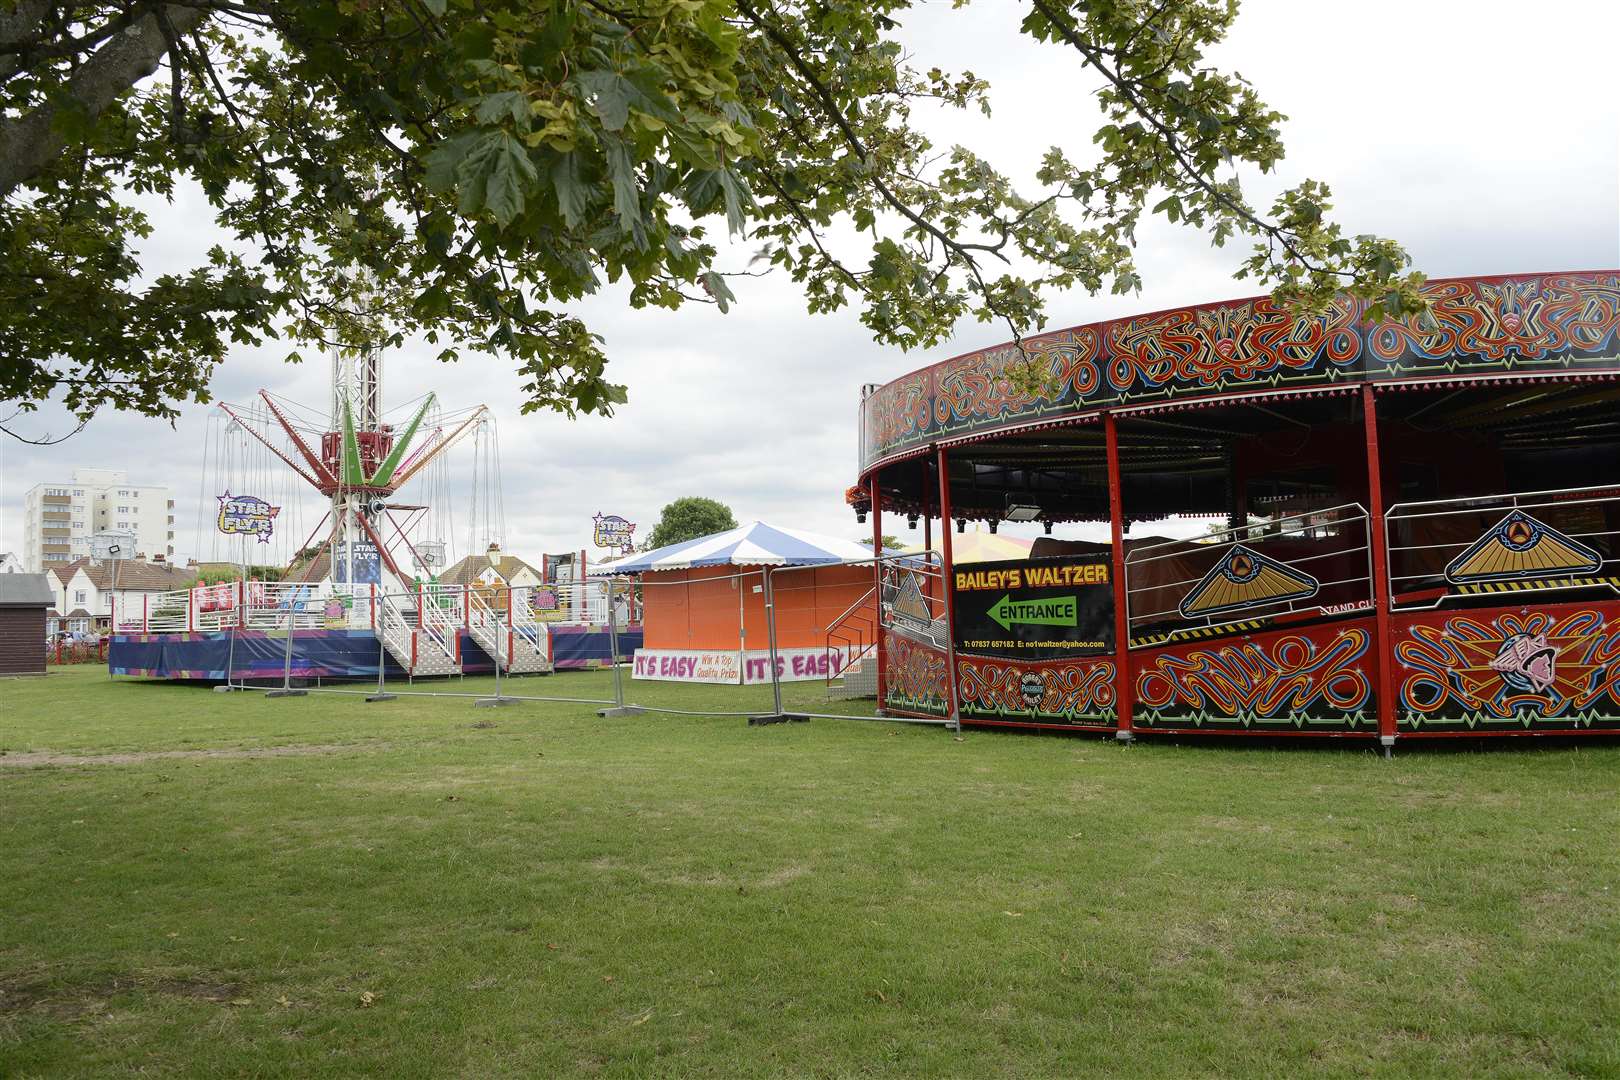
(1414, 522)
(361, 585)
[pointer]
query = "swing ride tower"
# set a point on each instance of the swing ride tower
(358, 462)
(361, 588)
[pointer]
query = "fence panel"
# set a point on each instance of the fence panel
(834, 622)
(705, 642)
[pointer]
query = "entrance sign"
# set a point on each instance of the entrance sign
(1035, 609)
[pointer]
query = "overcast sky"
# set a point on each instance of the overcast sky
(1484, 136)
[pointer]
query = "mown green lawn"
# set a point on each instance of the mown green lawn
(399, 890)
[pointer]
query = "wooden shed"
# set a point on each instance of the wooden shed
(24, 600)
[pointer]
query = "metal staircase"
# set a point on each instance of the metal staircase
(852, 638)
(423, 641)
(517, 643)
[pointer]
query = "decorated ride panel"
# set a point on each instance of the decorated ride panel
(1076, 691)
(1313, 679)
(1535, 668)
(1523, 325)
(914, 681)
(1067, 692)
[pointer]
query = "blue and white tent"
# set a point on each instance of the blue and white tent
(754, 544)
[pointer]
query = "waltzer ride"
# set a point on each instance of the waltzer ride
(1414, 525)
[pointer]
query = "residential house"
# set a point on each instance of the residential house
(492, 570)
(11, 564)
(87, 592)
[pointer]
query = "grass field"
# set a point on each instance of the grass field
(220, 885)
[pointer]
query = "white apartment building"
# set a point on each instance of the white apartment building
(60, 517)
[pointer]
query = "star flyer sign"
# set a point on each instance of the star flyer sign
(246, 514)
(613, 531)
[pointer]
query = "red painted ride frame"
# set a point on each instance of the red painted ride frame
(1124, 689)
(1384, 636)
(877, 588)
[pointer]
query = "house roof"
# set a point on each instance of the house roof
(26, 590)
(133, 575)
(466, 571)
(305, 570)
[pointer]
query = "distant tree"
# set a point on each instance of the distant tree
(889, 541)
(689, 518)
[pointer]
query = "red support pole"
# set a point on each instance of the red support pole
(928, 540)
(1124, 689)
(1384, 633)
(241, 603)
(146, 614)
(373, 606)
(191, 609)
(875, 492)
(952, 707)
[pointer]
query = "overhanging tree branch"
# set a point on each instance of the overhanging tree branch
(29, 143)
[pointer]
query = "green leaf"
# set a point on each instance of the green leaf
(572, 195)
(715, 285)
(497, 106)
(626, 199)
(511, 174)
(609, 95)
(737, 198)
(476, 41)
(440, 163)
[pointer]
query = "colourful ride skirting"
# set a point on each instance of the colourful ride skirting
(324, 654)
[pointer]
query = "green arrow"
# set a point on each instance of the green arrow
(1052, 611)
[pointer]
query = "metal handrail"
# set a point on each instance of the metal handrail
(432, 621)
(1402, 556)
(481, 616)
(1231, 534)
(401, 641)
(1292, 526)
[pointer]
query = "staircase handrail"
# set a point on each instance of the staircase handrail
(388, 617)
(481, 616)
(839, 629)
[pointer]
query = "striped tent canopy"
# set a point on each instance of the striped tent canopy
(754, 544)
(974, 547)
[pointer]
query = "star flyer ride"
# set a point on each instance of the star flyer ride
(1419, 533)
(361, 589)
